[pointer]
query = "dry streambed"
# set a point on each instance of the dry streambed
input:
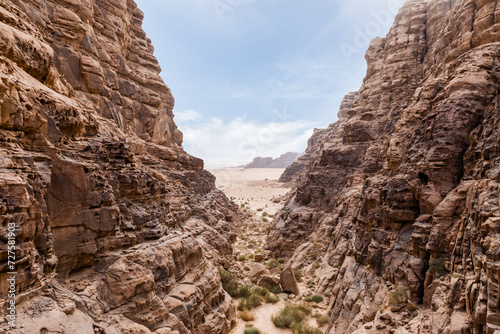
(254, 279)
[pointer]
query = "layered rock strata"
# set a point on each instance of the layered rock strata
(292, 172)
(118, 230)
(400, 198)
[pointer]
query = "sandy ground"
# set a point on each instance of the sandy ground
(263, 320)
(254, 190)
(257, 187)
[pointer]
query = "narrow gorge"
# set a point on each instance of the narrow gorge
(391, 223)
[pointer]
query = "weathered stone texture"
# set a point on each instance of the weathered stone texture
(118, 229)
(404, 189)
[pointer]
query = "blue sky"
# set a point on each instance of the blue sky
(254, 77)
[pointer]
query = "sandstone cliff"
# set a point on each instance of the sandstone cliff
(118, 229)
(292, 173)
(400, 198)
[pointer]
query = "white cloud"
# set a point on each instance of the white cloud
(187, 116)
(241, 140)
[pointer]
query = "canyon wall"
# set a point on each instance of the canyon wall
(401, 194)
(118, 230)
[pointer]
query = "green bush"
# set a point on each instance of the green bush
(305, 329)
(244, 291)
(231, 287)
(252, 331)
(255, 298)
(255, 301)
(321, 319)
(264, 293)
(272, 299)
(229, 283)
(276, 289)
(225, 275)
(259, 291)
(242, 257)
(272, 263)
(304, 307)
(287, 318)
(291, 316)
(250, 302)
(298, 275)
(317, 298)
(398, 296)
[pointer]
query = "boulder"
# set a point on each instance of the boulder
(258, 270)
(288, 282)
(269, 282)
(275, 271)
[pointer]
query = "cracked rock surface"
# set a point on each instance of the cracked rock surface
(399, 199)
(118, 229)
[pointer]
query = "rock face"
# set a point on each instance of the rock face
(283, 161)
(118, 229)
(401, 195)
(314, 144)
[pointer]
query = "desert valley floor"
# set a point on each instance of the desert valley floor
(259, 193)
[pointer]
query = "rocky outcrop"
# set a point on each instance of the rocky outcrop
(283, 161)
(314, 144)
(400, 198)
(260, 162)
(118, 230)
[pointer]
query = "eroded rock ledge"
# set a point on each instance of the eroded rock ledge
(403, 191)
(118, 229)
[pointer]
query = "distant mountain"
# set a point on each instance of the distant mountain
(283, 161)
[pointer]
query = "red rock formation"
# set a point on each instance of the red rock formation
(403, 191)
(293, 171)
(118, 229)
